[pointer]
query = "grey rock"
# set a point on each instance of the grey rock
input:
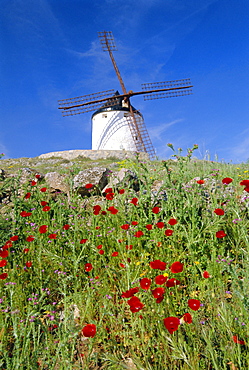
(124, 178)
(57, 181)
(97, 176)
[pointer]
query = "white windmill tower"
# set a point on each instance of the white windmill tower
(116, 124)
(111, 126)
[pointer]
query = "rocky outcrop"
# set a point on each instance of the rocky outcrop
(94, 154)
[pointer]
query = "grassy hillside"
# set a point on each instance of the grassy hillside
(131, 279)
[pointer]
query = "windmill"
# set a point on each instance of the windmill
(116, 124)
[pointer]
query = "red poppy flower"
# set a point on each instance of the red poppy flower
(43, 229)
(155, 210)
(145, 283)
(158, 292)
(121, 191)
(66, 227)
(238, 341)
(149, 227)
(88, 267)
(172, 221)
(134, 223)
(122, 265)
(37, 176)
(43, 203)
(14, 238)
(96, 209)
(135, 304)
(99, 246)
(160, 225)
(220, 234)
(171, 324)
(226, 180)
(244, 183)
(52, 236)
(125, 227)
(7, 245)
(246, 189)
(206, 275)
(129, 247)
(194, 304)
(158, 265)
(52, 328)
(138, 234)
(88, 186)
(200, 182)
(25, 250)
(176, 267)
(30, 238)
(109, 196)
(3, 276)
(89, 331)
(108, 190)
(130, 293)
(134, 201)
(101, 251)
(187, 318)
(160, 299)
(172, 282)
(219, 212)
(168, 232)
(27, 196)
(113, 210)
(33, 183)
(46, 208)
(28, 264)
(43, 190)
(160, 279)
(25, 214)
(4, 253)
(3, 263)
(114, 254)
(83, 241)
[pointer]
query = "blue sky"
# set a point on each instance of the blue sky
(50, 51)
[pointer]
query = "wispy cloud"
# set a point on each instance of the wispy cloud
(157, 131)
(32, 20)
(130, 13)
(240, 152)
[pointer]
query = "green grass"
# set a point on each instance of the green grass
(49, 295)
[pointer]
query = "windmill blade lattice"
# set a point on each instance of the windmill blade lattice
(166, 84)
(79, 100)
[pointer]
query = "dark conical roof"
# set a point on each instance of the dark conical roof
(116, 105)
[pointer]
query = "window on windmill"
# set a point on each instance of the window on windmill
(104, 115)
(126, 114)
(125, 103)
